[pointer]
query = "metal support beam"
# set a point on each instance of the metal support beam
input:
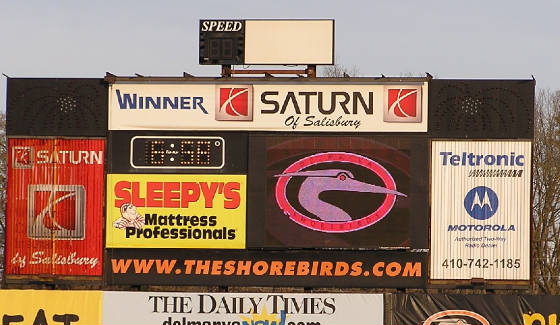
(311, 71)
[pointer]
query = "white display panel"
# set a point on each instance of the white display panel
(151, 308)
(480, 203)
(319, 107)
(289, 41)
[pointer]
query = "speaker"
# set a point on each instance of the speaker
(56, 107)
(482, 109)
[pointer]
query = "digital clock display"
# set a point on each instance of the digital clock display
(177, 152)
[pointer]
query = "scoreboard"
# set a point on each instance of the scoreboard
(177, 152)
(316, 182)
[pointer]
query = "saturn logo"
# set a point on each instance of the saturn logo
(235, 103)
(56, 209)
(403, 105)
(22, 157)
(456, 317)
(331, 172)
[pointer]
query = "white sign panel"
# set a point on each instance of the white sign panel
(480, 224)
(289, 41)
(269, 107)
(167, 308)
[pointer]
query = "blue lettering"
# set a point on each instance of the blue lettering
(480, 228)
(501, 159)
(133, 101)
(444, 154)
(173, 104)
(198, 102)
(185, 103)
(454, 160)
(125, 100)
(470, 159)
(155, 104)
(489, 160)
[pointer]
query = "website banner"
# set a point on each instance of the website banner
(305, 268)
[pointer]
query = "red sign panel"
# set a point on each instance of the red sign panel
(55, 206)
(235, 104)
(403, 105)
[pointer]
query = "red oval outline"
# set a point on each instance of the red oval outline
(456, 312)
(336, 227)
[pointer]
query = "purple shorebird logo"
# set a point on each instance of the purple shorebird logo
(332, 218)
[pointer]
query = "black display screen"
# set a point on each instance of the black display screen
(343, 192)
(177, 152)
(221, 42)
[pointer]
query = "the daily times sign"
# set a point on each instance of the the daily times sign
(480, 224)
(320, 107)
(174, 308)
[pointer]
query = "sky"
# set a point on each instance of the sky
(480, 39)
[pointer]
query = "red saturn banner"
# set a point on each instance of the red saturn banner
(55, 206)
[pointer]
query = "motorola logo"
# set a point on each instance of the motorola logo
(481, 202)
